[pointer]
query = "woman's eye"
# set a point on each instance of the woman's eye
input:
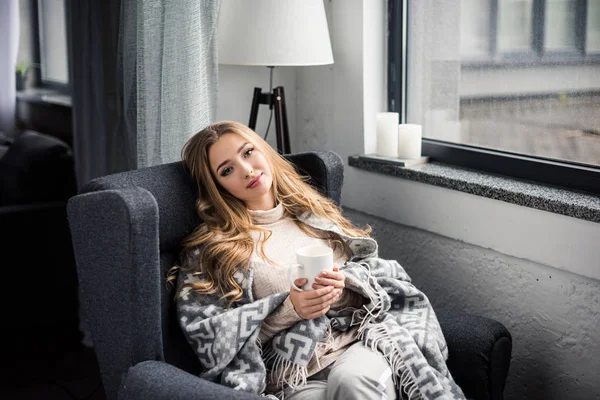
(226, 171)
(250, 150)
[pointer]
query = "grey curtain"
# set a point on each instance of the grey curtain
(169, 72)
(144, 76)
(9, 45)
(100, 144)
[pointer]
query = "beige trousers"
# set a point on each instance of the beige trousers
(359, 373)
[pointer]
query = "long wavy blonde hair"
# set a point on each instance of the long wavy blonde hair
(223, 240)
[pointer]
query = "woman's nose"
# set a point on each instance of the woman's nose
(249, 170)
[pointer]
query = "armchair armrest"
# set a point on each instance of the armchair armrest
(479, 353)
(159, 380)
(120, 283)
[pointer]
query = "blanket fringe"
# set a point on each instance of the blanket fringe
(401, 375)
(260, 345)
(325, 343)
(376, 297)
(285, 372)
(380, 341)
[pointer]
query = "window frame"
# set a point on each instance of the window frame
(566, 174)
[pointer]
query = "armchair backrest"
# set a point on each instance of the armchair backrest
(126, 230)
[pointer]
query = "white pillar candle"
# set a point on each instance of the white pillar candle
(387, 134)
(409, 141)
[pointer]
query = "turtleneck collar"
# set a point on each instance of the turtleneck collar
(263, 217)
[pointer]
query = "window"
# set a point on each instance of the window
(560, 25)
(507, 86)
(475, 30)
(44, 43)
(592, 34)
(53, 42)
(497, 32)
(515, 25)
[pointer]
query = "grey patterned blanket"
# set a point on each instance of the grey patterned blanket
(397, 321)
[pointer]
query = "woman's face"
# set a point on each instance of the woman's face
(242, 171)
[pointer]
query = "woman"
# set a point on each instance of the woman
(251, 331)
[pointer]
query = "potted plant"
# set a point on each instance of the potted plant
(22, 70)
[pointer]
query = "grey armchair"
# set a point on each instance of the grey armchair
(126, 229)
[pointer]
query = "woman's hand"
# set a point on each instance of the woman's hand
(328, 278)
(310, 304)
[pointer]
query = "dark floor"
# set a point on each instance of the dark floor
(48, 363)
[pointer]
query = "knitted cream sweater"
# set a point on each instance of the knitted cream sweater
(271, 277)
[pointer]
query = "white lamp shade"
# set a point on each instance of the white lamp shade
(273, 33)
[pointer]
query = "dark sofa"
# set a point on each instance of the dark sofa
(36, 180)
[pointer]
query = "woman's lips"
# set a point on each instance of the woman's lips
(254, 182)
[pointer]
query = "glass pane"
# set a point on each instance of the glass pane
(548, 111)
(474, 28)
(515, 21)
(559, 25)
(593, 27)
(559, 126)
(53, 41)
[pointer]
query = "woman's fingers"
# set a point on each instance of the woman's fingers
(328, 282)
(329, 278)
(323, 306)
(312, 304)
(315, 294)
(335, 275)
(327, 297)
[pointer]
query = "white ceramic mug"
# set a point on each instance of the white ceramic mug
(311, 261)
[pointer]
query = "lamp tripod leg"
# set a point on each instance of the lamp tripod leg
(277, 100)
(281, 123)
(254, 108)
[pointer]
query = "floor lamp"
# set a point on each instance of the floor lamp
(273, 33)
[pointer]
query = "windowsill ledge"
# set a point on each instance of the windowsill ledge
(45, 96)
(528, 194)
